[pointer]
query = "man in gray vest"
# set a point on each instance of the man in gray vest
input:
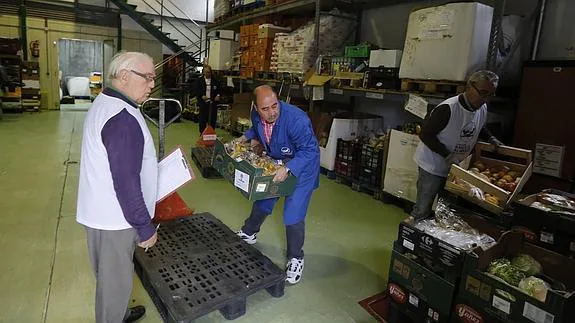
(118, 184)
(449, 133)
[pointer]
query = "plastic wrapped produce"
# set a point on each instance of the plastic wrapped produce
(452, 229)
(527, 264)
(534, 287)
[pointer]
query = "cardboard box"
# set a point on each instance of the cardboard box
(253, 41)
(254, 28)
(385, 58)
(248, 179)
(460, 179)
(247, 72)
(269, 31)
(489, 294)
(244, 41)
(401, 171)
(418, 292)
(244, 30)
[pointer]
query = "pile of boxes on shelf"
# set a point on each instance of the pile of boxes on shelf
(31, 88)
(256, 42)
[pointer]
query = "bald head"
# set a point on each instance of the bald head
(267, 104)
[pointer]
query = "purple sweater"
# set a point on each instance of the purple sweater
(124, 142)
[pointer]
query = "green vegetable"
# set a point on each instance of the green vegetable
(503, 269)
(527, 264)
(534, 287)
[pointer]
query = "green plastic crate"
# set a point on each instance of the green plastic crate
(248, 179)
(360, 51)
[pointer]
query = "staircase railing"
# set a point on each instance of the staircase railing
(171, 24)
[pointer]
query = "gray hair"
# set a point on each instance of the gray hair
(124, 60)
(483, 75)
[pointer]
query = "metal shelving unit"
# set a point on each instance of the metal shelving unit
(316, 7)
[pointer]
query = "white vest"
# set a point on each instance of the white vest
(459, 136)
(98, 206)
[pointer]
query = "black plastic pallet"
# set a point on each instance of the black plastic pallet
(202, 157)
(199, 265)
(387, 198)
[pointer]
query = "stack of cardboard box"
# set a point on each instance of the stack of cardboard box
(248, 42)
(31, 89)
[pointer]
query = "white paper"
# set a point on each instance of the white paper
(173, 172)
(261, 187)
(536, 314)
(230, 81)
(408, 244)
(318, 93)
(242, 180)
(416, 105)
(501, 304)
(414, 300)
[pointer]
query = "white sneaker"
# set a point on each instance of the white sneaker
(247, 238)
(294, 270)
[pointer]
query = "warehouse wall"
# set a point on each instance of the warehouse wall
(47, 32)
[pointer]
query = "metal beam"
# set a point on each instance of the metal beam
(537, 37)
(23, 29)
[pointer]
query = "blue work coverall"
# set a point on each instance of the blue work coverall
(293, 141)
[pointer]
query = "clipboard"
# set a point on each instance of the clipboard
(174, 171)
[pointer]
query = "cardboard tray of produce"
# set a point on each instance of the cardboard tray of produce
(417, 292)
(248, 179)
(489, 292)
(552, 228)
(499, 180)
(444, 258)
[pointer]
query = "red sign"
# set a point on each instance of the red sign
(468, 314)
(529, 235)
(397, 293)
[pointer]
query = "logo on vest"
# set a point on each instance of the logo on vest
(468, 130)
(286, 151)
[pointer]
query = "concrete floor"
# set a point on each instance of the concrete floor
(45, 272)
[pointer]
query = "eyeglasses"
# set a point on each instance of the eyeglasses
(148, 77)
(483, 93)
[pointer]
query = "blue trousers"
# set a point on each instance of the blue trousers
(295, 209)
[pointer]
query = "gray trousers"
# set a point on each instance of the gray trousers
(428, 186)
(111, 254)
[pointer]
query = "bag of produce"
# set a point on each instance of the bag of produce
(527, 264)
(503, 269)
(534, 287)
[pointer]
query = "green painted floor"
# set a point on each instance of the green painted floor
(45, 273)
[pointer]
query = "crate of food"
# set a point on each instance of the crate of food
(547, 219)
(520, 282)
(347, 159)
(488, 181)
(251, 173)
(442, 242)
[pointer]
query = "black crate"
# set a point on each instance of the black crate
(441, 257)
(202, 157)
(371, 165)
(347, 159)
(199, 265)
(550, 230)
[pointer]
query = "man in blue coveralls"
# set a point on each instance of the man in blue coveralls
(286, 133)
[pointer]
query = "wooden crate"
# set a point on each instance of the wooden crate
(461, 178)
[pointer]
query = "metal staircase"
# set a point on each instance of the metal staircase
(190, 54)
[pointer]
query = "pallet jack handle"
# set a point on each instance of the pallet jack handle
(162, 124)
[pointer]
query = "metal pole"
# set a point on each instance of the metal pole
(162, 14)
(316, 48)
(23, 31)
(119, 32)
(540, 19)
(207, 44)
(161, 128)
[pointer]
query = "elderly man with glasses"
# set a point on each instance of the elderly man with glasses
(118, 184)
(286, 134)
(449, 133)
